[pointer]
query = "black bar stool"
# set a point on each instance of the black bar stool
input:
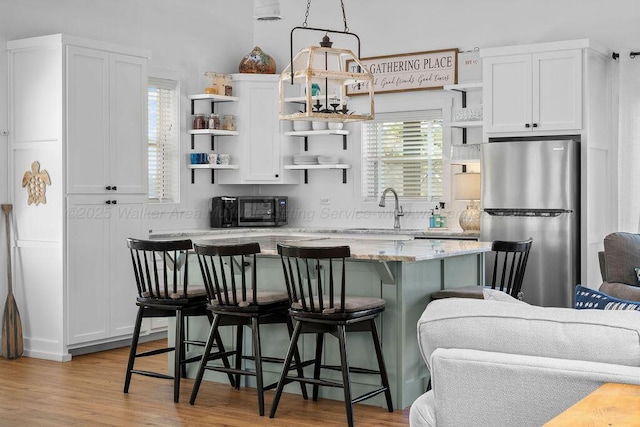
(239, 304)
(509, 264)
(161, 270)
(323, 307)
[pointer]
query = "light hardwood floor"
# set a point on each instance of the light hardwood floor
(88, 392)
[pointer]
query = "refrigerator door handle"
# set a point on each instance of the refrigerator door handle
(547, 213)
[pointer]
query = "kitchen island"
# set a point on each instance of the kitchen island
(403, 272)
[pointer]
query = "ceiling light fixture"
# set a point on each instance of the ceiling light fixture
(321, 75)
(266, 10)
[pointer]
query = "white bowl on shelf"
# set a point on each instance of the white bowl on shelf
(301, 125)
(336, 125)
(319, 125)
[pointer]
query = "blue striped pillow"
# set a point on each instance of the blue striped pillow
(587, 298)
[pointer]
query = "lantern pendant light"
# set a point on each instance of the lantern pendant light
(318, 78)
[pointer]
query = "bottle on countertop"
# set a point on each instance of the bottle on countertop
(436, 218)
(432, 220)
(443, 216)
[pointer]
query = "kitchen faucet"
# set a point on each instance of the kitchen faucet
(398, 209)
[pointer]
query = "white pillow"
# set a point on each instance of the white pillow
(496, 295)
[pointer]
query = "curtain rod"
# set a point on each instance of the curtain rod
(616, 55)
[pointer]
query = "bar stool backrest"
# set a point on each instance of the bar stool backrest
(302, 266)
(509, 265)
(160, 267)
(225, 290)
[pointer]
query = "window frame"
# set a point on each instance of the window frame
(409, 102)
(178, 205)
(415, 119)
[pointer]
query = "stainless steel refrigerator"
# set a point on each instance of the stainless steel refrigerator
(530, 188)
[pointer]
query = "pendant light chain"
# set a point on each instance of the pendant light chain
(306, 15)
(344, 15)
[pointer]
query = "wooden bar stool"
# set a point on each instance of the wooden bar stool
(322, 307)
(239, 304)
(161, 271)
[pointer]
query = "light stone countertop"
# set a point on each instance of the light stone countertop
(429, 233)
(364, 249)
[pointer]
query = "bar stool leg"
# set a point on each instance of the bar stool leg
(318, 364)
(381, 367)
(177, 356)
(255, 329)
(225, 360)
(342, 337)
(133, 350)
(213, 332)
(239, 332)
(285, 368)
(297, 359)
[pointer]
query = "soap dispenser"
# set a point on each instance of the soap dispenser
(432, 220)
(443, 216)
(436, 218)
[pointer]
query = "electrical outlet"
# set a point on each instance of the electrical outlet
(325, 201)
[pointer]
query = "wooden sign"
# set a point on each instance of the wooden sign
(407, 72)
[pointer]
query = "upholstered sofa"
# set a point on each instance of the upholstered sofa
(618, 261)
(498, 363)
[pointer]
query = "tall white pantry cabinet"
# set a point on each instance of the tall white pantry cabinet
(79, 108)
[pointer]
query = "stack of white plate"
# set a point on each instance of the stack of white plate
(328, 160)
(305, 159)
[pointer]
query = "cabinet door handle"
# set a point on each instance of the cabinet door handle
(277, 175)
(108, 202)
(535, 125)
(114, 188)
(527, 125)
(114, 202)
(108, 187)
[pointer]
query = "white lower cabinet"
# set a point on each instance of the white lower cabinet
(101, 289)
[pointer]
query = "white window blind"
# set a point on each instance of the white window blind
(404, 151)
(163, 140)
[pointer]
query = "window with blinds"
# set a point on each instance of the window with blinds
(163, 140)
(403, 151)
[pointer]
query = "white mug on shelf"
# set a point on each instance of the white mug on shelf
(223, 159)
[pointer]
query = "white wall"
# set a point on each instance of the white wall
(190, 37)
(186, 38)
(411, 26)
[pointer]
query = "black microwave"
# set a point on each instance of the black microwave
(248, 211)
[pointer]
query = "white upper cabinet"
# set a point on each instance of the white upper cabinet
(128, 123)
(259, 109)
(87, 120)
(557, 90)
(260, 146)
(106, 122)
(532, 92)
